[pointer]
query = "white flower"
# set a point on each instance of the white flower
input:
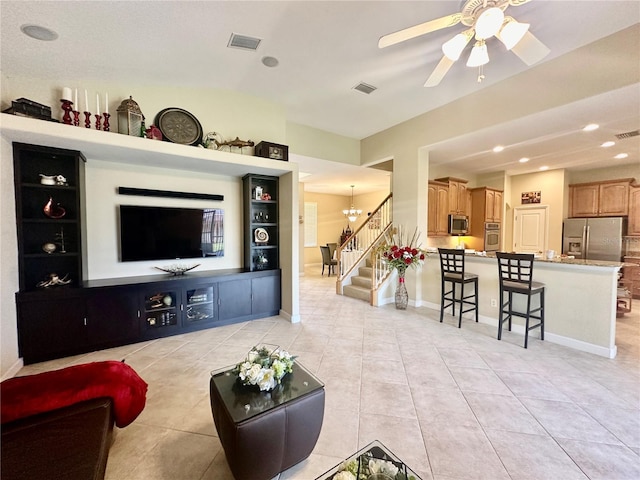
(266, 379)
(382, 466)
(344, 476)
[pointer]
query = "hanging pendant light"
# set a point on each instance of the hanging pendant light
(352, 214)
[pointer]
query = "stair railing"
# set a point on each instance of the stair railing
(364, 240)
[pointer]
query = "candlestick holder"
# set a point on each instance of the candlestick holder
(105, 124)
(98, 117)
(66, 106)
(76, 118)
(87, 119)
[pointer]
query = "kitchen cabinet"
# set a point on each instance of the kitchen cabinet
(631, 274)
(600, 199)
(486, 205)
(458, 196)
(438, 209)
(633, 225)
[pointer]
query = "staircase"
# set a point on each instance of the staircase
(360, 287)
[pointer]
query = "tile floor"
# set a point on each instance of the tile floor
(452, 403)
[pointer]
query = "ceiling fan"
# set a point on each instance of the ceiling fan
(486, 19)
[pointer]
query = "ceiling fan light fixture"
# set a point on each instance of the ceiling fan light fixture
(453, 48)
(489, 22)
(479, 55)
(512, 32)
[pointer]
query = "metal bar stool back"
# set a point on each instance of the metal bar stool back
(515, 271)
(452, 269)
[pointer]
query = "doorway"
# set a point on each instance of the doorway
(530, 229)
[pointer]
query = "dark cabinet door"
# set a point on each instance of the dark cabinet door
(265, 295)
(234, 299)
(51, 327)
(112, 316)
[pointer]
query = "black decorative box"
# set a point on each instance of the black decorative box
(29, 108)
(272, 151)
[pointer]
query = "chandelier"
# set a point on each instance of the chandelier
(352, 214)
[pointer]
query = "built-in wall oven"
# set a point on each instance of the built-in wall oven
(491, 237)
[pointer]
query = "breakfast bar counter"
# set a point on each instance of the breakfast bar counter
(580, 299)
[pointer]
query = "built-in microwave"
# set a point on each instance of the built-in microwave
(458, 225)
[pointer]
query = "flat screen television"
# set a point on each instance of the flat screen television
(162, 233)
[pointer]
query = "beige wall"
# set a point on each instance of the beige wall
(331, 221)
(551, 186)
(611, 172)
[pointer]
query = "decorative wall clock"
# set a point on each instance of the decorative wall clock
(179, 126)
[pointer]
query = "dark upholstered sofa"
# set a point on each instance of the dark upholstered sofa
(59, 424)
(70, 443)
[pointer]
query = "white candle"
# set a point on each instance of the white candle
(97, 104)
(86, 101)
(66, 93)
(75, 100)
(106, 103)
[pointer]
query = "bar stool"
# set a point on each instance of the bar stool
(452, 270)
(515, 271)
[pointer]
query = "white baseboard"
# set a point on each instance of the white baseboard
(13, 369)
(288, 316)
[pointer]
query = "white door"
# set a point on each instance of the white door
(530, 229)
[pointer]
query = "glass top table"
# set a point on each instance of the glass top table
(375, 462)
(244, 401)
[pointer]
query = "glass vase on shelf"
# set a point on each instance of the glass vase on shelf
(402, 296)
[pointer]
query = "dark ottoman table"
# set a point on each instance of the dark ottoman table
(264, 433)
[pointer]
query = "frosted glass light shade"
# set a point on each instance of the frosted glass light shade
(479, 55)
(512, 32)
(452, 49)
(489, 22)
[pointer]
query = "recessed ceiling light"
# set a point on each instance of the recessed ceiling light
(270, 62)
(608, 144)
(523, 160)
(38, 32)
(498, 148)
(620, 156)
(591, 127)
(544, 167)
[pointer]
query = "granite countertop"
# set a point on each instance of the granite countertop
(557, 260)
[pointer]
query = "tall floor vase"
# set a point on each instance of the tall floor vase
(402, 296)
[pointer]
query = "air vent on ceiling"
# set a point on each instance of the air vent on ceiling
(244, 42)
(364, 88)
(634, 133)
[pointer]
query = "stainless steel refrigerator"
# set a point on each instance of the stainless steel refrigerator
(594, 238)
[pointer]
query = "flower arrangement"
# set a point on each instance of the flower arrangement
(264, 367)
(399, 253)
(368, 467)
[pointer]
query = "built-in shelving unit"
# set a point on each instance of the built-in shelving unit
(48, 244)
(93, 314)
(261, 236)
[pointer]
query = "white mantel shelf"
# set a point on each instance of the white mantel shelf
(114, 147)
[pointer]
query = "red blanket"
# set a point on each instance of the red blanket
(24, 396)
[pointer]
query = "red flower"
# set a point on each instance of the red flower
(422, 256)
(408, 261)
(394, 248)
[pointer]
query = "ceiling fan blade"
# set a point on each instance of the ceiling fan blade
(530, 49)
(418, 30)
(439, 72)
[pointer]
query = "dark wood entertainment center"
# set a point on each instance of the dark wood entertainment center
(88, 315)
